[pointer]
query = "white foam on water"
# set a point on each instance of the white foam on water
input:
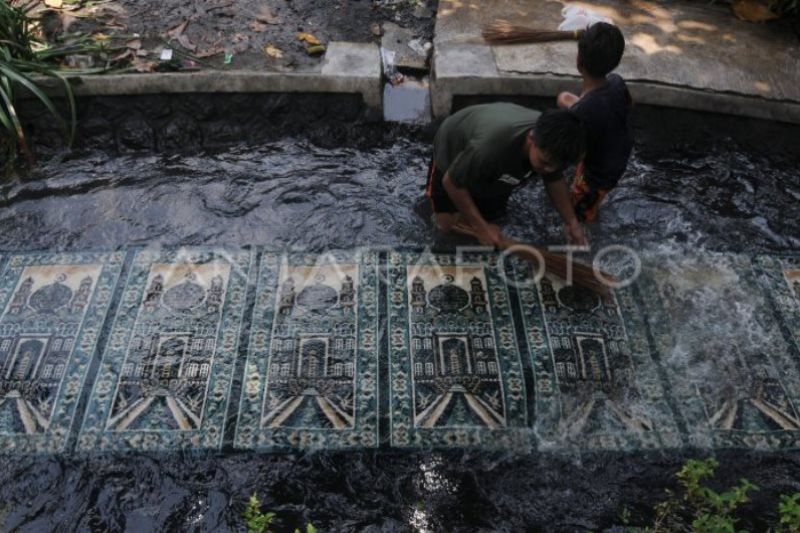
(720, 331)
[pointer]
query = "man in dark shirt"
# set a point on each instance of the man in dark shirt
(604, 105)
(483, 153)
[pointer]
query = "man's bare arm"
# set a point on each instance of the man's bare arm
(489, 234)
(559, 194)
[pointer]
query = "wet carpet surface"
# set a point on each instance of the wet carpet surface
(752, 402)
(167, 369)
(54, 306)
(456, 371)
(597, 384)
(200, 348)
(311, 379)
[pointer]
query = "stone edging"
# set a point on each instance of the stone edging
(459, 70)
(347, 68)
(463, 69)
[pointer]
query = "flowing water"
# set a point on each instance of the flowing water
(291, 193)
(677, 206)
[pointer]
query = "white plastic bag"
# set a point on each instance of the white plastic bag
(580, 18)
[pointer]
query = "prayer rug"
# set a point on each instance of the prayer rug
(54, 306)
(597, 386)
(311, 379)
(165, 377)
(456, 378)
(729, 368)
(781, 278)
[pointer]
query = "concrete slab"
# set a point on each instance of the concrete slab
(399, 40)
(357, 66)
(347, 68)
(459, 68)
(678, 54)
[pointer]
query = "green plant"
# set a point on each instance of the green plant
(257, 521)
(700, 509)
(625, 515)
(260, 522)
(789, 513)
(25, 54)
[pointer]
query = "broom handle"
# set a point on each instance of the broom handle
(507, 243)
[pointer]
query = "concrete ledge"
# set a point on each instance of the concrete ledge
(347, 68)
(643, 92)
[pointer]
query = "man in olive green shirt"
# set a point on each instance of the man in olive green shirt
(484, 152)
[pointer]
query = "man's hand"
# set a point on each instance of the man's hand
(575, 235)
(488, 234)
(491, 236)
(559, 194)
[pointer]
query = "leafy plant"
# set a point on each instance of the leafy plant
(23, 54)
(625, 515)
(789, 513)
(260, 522)
(700, 509)
(257, 521)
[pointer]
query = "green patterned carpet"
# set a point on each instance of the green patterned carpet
(311, 379)
(211, 349)
(166, 372)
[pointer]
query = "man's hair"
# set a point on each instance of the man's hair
(561, 135)
(600, 49)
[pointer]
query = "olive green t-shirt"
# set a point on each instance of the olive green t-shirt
(481, 148)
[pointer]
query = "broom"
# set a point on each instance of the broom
(504, 32)
(554, 263)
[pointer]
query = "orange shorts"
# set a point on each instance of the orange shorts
(586, 199)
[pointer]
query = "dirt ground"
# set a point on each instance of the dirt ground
(250, 33)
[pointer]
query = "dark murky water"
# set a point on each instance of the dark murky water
(291, 193)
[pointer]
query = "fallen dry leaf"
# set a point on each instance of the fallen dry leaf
(307, 37)
(142, 53)
(134, 44)
(177, 31)
(315, 50)
(186, 43)
(752, 11)
(54, 3)
(258, 27)
(273, 51)
(101, 37)
(215, 49)
(266, 15)
(143, 66)
(124, 55)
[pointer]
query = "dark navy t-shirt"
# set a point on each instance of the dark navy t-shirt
(609, 141)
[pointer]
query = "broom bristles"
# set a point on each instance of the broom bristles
(504, 32)
(554, 263)
(557, 265)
